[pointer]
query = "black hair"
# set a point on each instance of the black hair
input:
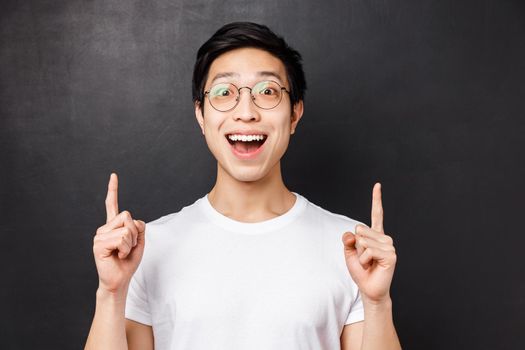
(247, 34)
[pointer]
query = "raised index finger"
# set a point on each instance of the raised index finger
(112, 198)
(377, 209)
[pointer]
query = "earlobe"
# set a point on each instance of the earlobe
(199, 116)
(296, 115)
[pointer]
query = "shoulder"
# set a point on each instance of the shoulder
(329, 218)
(174, 221)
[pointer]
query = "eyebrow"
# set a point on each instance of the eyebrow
(270, 74)
(224, 75)
(236, 75)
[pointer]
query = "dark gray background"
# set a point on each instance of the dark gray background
(425, 96)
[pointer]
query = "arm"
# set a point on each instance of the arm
(118, 247)
(140, 336)
(108, 327)
(371, 258)
(110, 330)
(377, 331)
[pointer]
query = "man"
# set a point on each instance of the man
(250, 265)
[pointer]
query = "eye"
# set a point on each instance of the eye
(268, 91)
(266, 88)
(221, 90)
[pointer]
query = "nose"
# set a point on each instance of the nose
(246, 109)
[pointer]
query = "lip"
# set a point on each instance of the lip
(245, 132)
(250, 155)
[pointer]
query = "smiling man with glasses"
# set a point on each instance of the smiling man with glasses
(250, 265)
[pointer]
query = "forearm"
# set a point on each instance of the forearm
(108, 330)
(379, 332)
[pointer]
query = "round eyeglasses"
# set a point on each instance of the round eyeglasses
(265, 94)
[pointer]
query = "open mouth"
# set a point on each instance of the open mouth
(248, 146)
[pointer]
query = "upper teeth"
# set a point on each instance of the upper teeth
(246, 137)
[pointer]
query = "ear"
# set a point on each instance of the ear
(199, 114)
(297, 113)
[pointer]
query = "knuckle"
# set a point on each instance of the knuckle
(362, 227)
(133, 228)
(363, 258)
(389, 250)
(126, 214)
(387, 239)
(122, 243)
(99, 240)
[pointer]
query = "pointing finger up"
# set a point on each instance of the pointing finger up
(112, 198)
(377, 209)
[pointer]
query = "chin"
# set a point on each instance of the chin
(247, 176)
(246, 173)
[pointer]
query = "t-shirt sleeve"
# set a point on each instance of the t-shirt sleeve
(357, 312)
(137, 306)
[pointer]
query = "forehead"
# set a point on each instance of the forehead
(246, 65)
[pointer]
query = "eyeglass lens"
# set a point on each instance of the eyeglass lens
(225, 96)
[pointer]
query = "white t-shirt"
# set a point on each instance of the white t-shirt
(209, 282)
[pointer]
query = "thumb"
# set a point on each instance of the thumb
(349, 243)
(137, 251)
(352, 257)
(141, 227)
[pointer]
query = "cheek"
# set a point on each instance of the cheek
(282, 128)
(282, 139)
(285, 126)
(212, 122)
(214, 138)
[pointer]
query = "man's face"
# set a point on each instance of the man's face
(248, 161)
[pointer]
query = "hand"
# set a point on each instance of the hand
(118, 245)
(370, 255)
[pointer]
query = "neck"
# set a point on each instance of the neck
(251, 201)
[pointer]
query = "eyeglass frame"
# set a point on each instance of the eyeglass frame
(238, 99)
